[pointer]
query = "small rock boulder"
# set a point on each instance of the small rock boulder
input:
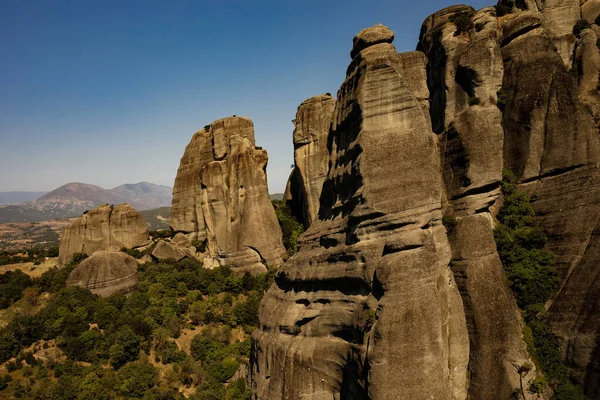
(165, 251)
(105, 273)
(146, 259)
(371, 36)
(181, 240)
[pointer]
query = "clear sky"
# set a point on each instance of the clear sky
(111, 91)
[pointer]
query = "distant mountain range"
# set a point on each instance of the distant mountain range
(73, 199)
(19, 197)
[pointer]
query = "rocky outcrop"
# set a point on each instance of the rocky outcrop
(590, 9)
(546, 128)
(311, 157)
(340, 320)
(221, 196)
(105, 273)
(352, 315)
(166, 251)
(471, 142)
(104, 228)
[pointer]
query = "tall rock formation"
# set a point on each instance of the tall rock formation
(311, 157)
(368, 308)
(552, 144)
(517, 92)
(220, 195)
(466, 72)
(104, 228)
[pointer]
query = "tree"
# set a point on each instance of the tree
(135, 378)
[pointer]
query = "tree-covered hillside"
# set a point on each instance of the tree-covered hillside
(184, 332)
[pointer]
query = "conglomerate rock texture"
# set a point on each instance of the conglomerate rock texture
(105, 273)
(220, 196)
(311, 157)
(381, 301)
(106, 227)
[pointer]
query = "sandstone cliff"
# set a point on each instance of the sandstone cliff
(341, 320)
(466, 73)
(104, 228)
(352, 315)
(311, 157)
(220, 196)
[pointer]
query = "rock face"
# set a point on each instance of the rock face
(311, 157)
(165, 251)
(470, 72)
(551, 142)
(103, 228)
(221, 196)
(546, 127)
(105, 273)
(381, 302)
(339, 322)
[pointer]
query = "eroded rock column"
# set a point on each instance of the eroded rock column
(368, 308)
(311, 157)
(221, 196)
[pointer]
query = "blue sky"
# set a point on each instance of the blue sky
(111, 91)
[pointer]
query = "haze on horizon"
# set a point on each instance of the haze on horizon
(111, 92)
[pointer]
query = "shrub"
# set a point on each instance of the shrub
(449, 223)
(4, 381)
(200, 245)
(463, 23)
(502, 10)
(135, 378)
(537, 385)
(532, 277)
(290, 227)
(473, 101)
(12, 286)
(580, 25)
(135, 253)
(501, 99)
(161, 234)
(207, 127)
(168, 352)
(529, 267)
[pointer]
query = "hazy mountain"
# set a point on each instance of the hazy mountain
(145, 195)
(74, 198)
(18, 197)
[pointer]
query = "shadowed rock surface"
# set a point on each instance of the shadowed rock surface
(499, 95)
(105, 273)
(311, 157)
(220, 195)
(340, 320)
(104, 228)
(469, 72)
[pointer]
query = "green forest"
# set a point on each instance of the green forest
(126, 346)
